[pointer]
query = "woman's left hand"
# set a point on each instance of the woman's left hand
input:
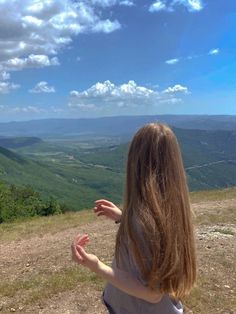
(80, 256)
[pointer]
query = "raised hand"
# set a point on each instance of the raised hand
(108, 209)
(80, 256)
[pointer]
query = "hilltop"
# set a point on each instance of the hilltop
(38, 276)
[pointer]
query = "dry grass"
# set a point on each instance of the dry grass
(37, 287)
(37, 275)
(38, 226)
(213, 195)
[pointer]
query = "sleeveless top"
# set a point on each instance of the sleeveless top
(119, 302)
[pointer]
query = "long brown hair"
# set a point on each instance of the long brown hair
(156, 194)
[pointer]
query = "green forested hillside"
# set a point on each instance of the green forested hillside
(70, 181)
(17, 202)
(77, 172)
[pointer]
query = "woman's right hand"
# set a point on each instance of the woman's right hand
(108, 209)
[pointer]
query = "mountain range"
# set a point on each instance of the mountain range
(112, 126)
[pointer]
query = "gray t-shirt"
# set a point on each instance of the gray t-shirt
(122, 303)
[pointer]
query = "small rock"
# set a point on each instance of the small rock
(12, 309)
(21, 308)
(28, 265)
(226, 286)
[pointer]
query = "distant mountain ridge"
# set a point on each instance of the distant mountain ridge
(113, 126)
(17, 142)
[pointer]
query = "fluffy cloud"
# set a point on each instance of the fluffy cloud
(172, 61)
(106, 26)
(33, 32)
(32, 61)
(33, 27)
(4, 76)
(157, 6)
(6, 87)
(107, 94)
(42, 87)
(176, 89)
(191, 5)
(214, 51)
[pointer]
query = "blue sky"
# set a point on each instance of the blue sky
(91, 58)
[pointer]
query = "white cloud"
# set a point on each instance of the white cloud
(127, 3)
(82, 106)
(42, 87)
(18, 111)
(4, 76)
(106, 26)
(6, 87)
(33, 32)
(191, 5)
(107, 94)
(104, 3)
(43, 28)
(109, 3)
(32, 61)
(176, 89)
(26, 109)
(172, 61)
(171, 101)
(214, 51)
(157, 6)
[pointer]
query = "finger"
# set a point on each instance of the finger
(80, 238)
(105, 202)
(75, 254)
(96, 208)
(82, 252)
(106, 209)
(82, 242)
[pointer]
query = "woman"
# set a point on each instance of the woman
(154, 265)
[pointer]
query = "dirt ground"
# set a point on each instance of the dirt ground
(42, 255)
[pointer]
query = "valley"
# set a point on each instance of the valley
(78, 170)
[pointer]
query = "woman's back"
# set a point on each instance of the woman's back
(122, 303)
(156, 194)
